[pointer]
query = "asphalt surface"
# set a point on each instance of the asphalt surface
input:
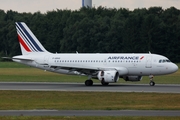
(33, 86)
(88, 113)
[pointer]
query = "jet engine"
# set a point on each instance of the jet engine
(132, 78)
(108, 76)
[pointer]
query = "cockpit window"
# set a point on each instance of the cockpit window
(164, 61)
(168, 61)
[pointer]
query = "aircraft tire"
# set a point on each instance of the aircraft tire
(152, 83)
(104, 83)
(88, 82)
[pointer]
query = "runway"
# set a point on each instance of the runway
(97, 87)
(88, 113)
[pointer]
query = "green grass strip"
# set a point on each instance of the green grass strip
(28, 100)
(12, 65)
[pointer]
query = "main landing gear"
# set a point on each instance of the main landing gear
(104, 83)
(89, 82)
(152, 83)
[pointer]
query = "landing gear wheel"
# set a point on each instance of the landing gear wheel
(104, 83)
(88, 82)
(152, 83)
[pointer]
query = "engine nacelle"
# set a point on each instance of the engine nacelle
(132, 78)
(108, 76)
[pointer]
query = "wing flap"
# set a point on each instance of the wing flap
(67, 67)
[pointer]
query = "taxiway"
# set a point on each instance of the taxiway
(88, 113)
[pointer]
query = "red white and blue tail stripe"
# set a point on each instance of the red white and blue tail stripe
(28, 41)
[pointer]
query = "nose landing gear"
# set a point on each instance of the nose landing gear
(152, 83)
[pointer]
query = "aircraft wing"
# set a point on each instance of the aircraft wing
(84, 69)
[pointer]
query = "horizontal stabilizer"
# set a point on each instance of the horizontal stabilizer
(8, 58)
(22, 58)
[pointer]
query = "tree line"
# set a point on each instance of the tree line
(97, 30)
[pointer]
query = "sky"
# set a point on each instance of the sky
(48, 5)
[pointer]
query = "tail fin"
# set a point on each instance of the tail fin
(27, 40)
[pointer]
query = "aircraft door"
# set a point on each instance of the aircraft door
(149, 61)
(46, 61)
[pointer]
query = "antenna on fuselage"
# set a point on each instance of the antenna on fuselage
(149, 52)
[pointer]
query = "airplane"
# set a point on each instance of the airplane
(107, 68)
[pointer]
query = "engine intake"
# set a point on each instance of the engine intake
(108, 76)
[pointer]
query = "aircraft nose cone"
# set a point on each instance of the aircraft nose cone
(174, 68)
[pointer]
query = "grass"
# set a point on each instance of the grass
(35, 75)
(28, 100)
(88, 118)
(14, 72)
(12, 65)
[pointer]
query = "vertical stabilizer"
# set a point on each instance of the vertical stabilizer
(27, 40)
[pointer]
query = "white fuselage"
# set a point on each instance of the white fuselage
(125, 64)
